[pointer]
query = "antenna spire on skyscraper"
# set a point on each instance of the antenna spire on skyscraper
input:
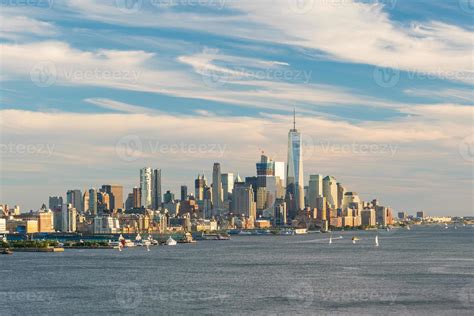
(294, 118)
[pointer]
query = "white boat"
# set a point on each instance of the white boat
(171, 242)
(408, 227)
(376, 241)
(330, 240)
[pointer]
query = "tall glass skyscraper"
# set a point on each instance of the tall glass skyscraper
(146, 175)
(294, 171)
(217, 187)
(156, 196)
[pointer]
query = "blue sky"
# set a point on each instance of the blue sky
(383, 91)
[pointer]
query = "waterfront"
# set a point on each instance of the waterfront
(427, 270)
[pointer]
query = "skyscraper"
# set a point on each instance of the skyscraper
(93, 201)
(55, 202)
(74, 197)
(146, 175)
(243, 201)
(199, 185)
(294, 171)
(217, 186)
(227, 185)
(330, 191)
(315, 189)
(115, 193)
(156, 196)
(184, 193)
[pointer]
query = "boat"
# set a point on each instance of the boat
(376, 241)
(388, 229)
(354, 239)
(330, 239)
(138, 240)
(171, 242)
(408, 227)
(6, 251)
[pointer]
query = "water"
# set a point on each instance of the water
(425, 271)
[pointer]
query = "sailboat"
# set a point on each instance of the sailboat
(377, 241)
(446, 226)
(330, 240)
(408, 227)
(121, 242)
(171, 242)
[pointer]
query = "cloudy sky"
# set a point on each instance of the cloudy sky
(91, 91)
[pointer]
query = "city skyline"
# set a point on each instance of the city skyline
(112, 88)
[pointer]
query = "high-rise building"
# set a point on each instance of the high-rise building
(74, 197)
(294, 171)
(115, 193)
(368, 217)
(315, 189)
(93, 201)
(227, 185)
(55, 202)
(129, 202)
(199, 185)
(156, 195)
(279, 170)
(321, 207)
(169, 197)
(85, 202)
(146, 175)
(243, 201)
(184, 193)
(137, 197)
(420, 215)
(402, 215)
(45, 221)
(217, 200)
(351, 200)
(68, 217)
(330, 191)
(340, 195)
(279, 217)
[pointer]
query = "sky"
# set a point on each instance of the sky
(92, 91)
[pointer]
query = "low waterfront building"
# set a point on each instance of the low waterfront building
(3, 226)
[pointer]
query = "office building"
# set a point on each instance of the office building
(93, 202)
(146, 175)
(279, 217)
(199, 185)
(330, 191)
(156, 195)
(227, 185)
(217, 199)
(184, 193)
(244, 201)
(68, 217)
(340, 195)
(294, 173)
(115, 193)
(315, 189)
(55, 202)
(74, 197)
